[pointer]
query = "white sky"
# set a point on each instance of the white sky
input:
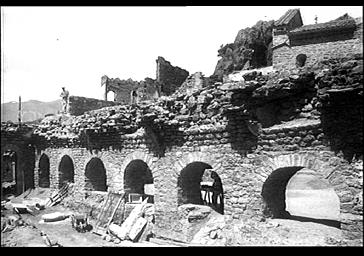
(45, 48)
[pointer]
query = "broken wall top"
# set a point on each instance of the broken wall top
(206, 109)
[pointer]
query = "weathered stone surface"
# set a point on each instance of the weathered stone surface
(306, 119)
(169, 77)
(251, 49)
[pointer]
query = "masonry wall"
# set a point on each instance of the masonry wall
(169, 77)
(242, 168)
(79, 105)
(284, 57)
(25, 160)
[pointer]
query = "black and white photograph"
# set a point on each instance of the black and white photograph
(181, 126)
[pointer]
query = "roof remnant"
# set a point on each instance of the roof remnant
(334, 25)
(286, 18)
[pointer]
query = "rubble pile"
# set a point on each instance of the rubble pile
(10, 127)
(209, 108)
(340, 76)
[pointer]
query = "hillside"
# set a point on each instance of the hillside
(31, 110)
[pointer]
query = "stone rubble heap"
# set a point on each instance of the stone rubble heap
(205, 108)
(340, 76)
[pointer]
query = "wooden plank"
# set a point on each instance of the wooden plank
(115, 209)
(102, 212)
(137, 229)
(109, 210)
(147, 230)
(130, 220)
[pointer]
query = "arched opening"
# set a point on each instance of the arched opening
(95, 175)
(298, 193)
(44, 171)
(198, 186)
(9, 172)
(301, 60)
(65, 170)
(111, 96)
(138, 182)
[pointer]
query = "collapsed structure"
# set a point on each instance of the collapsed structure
(256, 134)
(168, 79)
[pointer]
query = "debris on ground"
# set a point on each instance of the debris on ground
(80, 222)
(59, 195)
(123, 231)
(54, 216)
(48, 242)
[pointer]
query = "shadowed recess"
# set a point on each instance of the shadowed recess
(44, 171)
(137, 174)
(65, 170)
(297, 193)
(95, 175)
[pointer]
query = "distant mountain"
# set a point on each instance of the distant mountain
(31, 110)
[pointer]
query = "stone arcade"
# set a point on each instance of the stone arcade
(269, 138)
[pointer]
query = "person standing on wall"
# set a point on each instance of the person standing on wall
(64, 95)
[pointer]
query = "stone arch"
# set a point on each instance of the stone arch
(43, 171)
(65, 170)
(196, 157)
(139, 174)
(139, 155)
(311, 198)
(188, 183)
(279, 171)
(95, 175)
(271, 163)
(191, 172)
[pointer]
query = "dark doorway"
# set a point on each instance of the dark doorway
(193, 190)
(44, 171)
(9, 172)
(138, 179)
(95, 175)
(66, 170)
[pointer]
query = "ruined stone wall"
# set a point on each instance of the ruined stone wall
(308, 134)
(284, 57)
(79, 105)
(242, 168)
(16, 141)
(169, 77)
(193, 83)
(217, 126)
(145, 90)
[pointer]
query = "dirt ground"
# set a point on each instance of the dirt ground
(216, 232)
(59, 232)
